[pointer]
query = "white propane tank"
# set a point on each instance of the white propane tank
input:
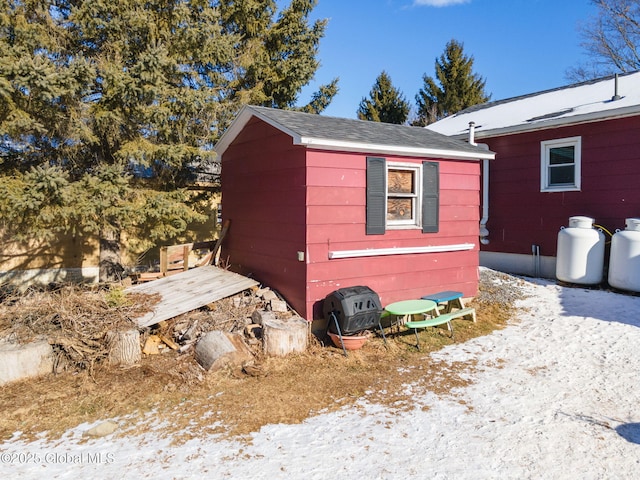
(624, 261)
(580, 254)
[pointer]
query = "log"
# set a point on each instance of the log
(23, 361)
(282, 337)
(124, 347)
(217, 349)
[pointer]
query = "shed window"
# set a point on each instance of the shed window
(560, 165)
(401, 195)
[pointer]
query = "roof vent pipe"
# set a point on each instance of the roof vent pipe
(615, 89)
(472, 133)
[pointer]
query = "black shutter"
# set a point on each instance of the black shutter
(376, 195)
(430, 196)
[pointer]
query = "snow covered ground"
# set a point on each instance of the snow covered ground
(553, 396)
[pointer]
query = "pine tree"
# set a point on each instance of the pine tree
(106, 106)
(275, 58)
(385, 103)
(455, 88)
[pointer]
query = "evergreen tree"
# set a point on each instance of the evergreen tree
(106, 107)
(455, 88)
(274, 59)
(385, 103)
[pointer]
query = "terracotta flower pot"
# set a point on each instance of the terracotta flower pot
(351, 342)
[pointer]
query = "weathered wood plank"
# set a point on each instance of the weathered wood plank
(186, 291)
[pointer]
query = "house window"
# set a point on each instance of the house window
(560, 165)
(402, 195)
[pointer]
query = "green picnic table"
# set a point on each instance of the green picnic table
(407, 308)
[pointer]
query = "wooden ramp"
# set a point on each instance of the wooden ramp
(186, 291)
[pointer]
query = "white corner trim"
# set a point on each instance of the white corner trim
(375, 252)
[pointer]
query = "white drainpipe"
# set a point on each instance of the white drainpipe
(484, 232)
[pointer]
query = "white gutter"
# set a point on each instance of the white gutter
(484, 232)
(346, 146)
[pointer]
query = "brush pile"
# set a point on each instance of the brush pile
(74, 319)
(79, 322)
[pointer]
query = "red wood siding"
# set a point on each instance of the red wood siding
(263, 194)
(284, 199)
(521, 216)
(336, 189)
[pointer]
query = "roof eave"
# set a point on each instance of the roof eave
(239, 123)
(554, 123)
(342, 146)
(233, 131)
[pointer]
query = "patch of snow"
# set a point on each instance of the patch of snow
(553, 395)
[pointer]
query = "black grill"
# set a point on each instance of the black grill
(355, 309)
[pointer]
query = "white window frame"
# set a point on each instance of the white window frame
(416, 196)
(545, 153)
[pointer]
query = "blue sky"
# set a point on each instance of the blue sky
(518, 46)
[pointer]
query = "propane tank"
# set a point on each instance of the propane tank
(624, 261)
(580, 253)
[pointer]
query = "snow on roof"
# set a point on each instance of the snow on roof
(579, 103)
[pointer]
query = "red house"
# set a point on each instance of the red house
(319, 203)
(571, 151)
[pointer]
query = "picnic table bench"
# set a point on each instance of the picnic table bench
(449, 306)
(450, 301)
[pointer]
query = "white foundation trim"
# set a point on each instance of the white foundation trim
(519, 264)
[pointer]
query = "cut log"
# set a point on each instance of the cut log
(282, 337)
(23, 361)
(217, 349)
(124, 347)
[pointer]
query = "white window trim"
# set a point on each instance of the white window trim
(545, 148)
(417, 221)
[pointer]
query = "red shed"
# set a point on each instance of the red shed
(570, 151)
(319, 203)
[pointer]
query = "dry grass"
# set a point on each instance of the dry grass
(291, 389)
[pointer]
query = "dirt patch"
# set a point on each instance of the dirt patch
(173, 388)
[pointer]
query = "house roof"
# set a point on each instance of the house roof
(342, 134)
(573, 104)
